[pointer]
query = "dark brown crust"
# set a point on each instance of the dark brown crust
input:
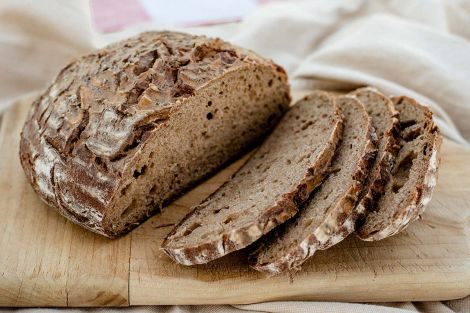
(83, 132)
(286, 207)
(417, 200)
(336, 226)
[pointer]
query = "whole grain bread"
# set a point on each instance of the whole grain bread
(329, 216)
(414, 175)
(384, 118)
(123, 130)
(267, 190)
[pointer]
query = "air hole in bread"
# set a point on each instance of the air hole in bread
(402, 171)
(140, 172)
(270, 83)
(209, 116)
(100, 163)
(191, 228)
(307, 125)
(230, 218)
(396, 187)
(132, 145)
(412, 134)
(222, 208)
(125, 189)
(153, 189)
(303, 157)
(209, 103)
(425, 149)
(406, 124)
(262, 156)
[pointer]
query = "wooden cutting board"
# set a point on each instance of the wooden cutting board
(46, 260)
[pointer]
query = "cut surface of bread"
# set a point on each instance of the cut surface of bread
(328, 216)
(414, 175)
(267, 190)
(385, 122)
(125, 129)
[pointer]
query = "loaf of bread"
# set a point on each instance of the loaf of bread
(123, 130)
(267, 190)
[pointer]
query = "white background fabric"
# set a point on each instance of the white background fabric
(419, 48)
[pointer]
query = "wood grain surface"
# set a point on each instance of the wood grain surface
(46, 260)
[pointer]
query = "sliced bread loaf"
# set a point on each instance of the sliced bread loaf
(413, 177)
(267, 190)
(329, 216)
(125, 129)
(385, 121)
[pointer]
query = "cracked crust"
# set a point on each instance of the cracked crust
(334, 227)
(425, 165)
(285, 207)
(83, 135)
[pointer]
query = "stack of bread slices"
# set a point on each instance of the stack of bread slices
(336, 164)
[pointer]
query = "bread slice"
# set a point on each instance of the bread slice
(125, 129)
(385, 121)
(414, 175)
(329, 216)
(267, 190)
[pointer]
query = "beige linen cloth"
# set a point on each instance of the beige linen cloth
(419, 48)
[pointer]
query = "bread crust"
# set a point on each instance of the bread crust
(339, 223)
(82, 134)
(283, 209)
(422, 191)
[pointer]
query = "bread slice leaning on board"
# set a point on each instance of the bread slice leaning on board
(413, 177)
(384, 118)
(123, 130)
(267, 190)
